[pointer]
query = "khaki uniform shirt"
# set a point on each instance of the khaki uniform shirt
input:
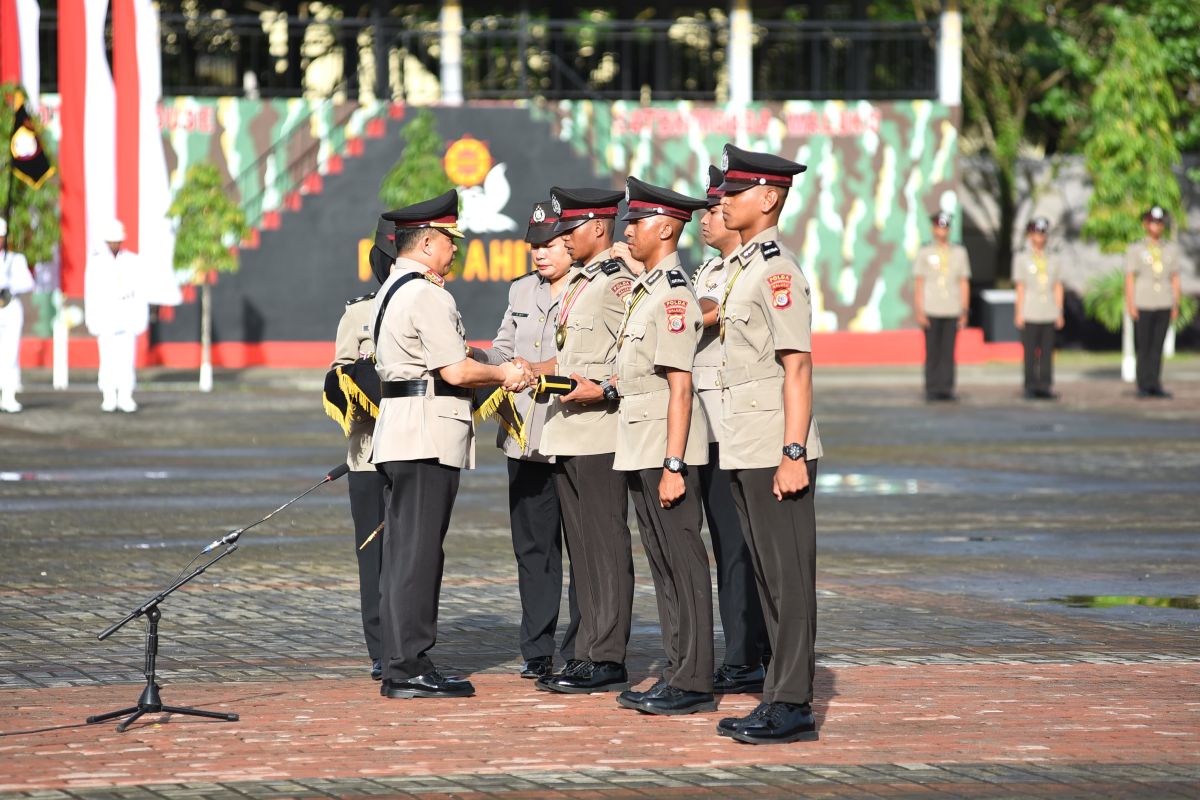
(1039, 276)
(352, 343)
(422, 332)
(942, 269)
(709, 281)
(527, 330)
(766, 309)
(594, 304)
(1152, 273)
(661, 330)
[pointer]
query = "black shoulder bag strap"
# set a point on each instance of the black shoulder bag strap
(412, 276)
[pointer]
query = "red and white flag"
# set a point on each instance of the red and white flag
(143, 193)
(87, 147)
(19, 51)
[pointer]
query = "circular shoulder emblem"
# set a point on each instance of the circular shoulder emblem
(539, 214)
(555, 204)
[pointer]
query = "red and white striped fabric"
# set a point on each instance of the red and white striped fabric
(87, 149)
(19, 51)
(143, 193)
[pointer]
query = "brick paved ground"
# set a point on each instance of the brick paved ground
(944, 669)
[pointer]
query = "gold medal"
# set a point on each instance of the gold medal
(560, 336)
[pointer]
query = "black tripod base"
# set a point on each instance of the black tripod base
(151, 703)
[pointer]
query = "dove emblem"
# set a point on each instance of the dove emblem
(483, 206)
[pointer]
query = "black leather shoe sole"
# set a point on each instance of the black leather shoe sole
(407, 693)
(803, 735)
(705, 706)
(614, 686)
(538, 670)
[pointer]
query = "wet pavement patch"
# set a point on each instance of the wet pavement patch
(1188, 602)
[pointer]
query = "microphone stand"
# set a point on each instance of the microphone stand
(150, 701)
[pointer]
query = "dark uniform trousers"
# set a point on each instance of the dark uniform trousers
(939, 355)
(420, 497)
(682, 586)
(1038, 338)
(1149, 334)
(595, 514)
(741, 613)
(537, 543)
(367, 510)
(782, 537)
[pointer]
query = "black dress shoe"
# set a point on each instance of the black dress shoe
(779, 723)
(431, 684)
(671, 701)
(1160, 393)
(376, 669)
(538, 667)
(1144, 393)
(738, 679)
(572, 667)
(632, 699)
(730, 725)
(600, 676)
(1031, 394)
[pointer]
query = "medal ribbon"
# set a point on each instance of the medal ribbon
(573, 293)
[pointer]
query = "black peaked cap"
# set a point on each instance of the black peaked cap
(541, 224)
(441, 212)
(647, 200)
(743, 169)
(573, 207)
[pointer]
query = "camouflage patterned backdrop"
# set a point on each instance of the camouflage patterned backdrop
(855, 218)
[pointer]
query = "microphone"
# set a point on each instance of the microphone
(233, 536)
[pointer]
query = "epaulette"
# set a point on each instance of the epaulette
(612, 266)
(770, 249)
(700, 269)
(370, 296)
(521, 277)
(676, 278)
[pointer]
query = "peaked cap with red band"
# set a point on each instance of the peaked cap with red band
(646, 200)
(713, 188)
(383, 252)
(743, 169)
(573, 207)
(541, 224)
(440, 212)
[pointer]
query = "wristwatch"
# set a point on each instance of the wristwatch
(673, 464)
(795, 451)
(610, 391)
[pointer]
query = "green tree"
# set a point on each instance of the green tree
(33, 227)
(418, 174)
(210, 225)
(1130, 148)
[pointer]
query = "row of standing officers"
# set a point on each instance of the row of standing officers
(692, 396)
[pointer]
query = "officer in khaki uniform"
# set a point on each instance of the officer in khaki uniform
(527, 332)
(581, 433)
(941, 298)
(660, 444)
(741, 614)
(1152, 294)
(354, 341)
(769, 439)
(1038, 312)
(423, 438)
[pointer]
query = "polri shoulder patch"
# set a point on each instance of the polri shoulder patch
(612, 266)
(370, 296)
(676, 278)
(770, 249)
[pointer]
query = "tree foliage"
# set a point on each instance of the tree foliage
(1131, 149)
(210, 224)
(418, 174)
(33, 225)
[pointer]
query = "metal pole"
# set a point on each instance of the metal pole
(950, 55)
(740, 59)
(451, 36)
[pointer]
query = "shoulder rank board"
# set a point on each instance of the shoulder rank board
(612, 266)
(676, 278)
(352, 301)
(770, 249)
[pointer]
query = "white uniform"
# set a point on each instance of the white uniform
(14, 276)
(116, 311)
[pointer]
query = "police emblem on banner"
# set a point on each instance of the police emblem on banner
(781, 289)
(676, 311)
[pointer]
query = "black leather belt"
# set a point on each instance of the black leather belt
(417, 389)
